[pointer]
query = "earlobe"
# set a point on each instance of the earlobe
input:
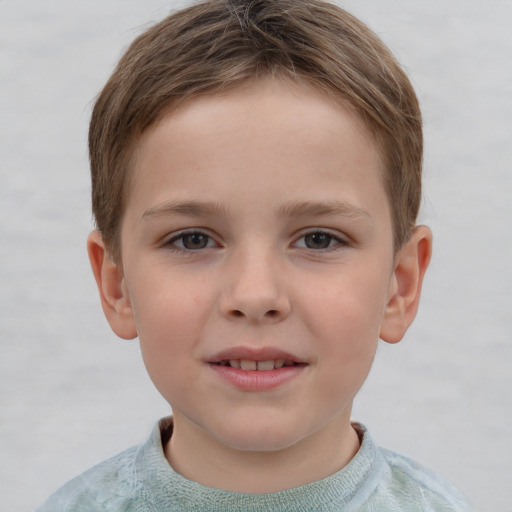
(406, 282)
(112, 288)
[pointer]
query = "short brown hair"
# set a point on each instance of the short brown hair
(216, 44)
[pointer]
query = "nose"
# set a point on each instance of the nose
(255, 290)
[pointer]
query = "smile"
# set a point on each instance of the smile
(262, 366)
(256, 369)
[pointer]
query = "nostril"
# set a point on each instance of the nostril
(269, 314)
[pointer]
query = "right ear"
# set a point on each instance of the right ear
(112, 287)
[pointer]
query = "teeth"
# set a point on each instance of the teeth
(265, 365)
(248, 365)
(262, 366)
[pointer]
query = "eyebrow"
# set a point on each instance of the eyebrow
(293, 209)
(321, 208)
(186, 208)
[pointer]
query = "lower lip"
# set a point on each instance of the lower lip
(254, 380)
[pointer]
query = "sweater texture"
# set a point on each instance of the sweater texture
(141, 480)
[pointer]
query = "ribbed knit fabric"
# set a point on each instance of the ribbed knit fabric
(141, 480)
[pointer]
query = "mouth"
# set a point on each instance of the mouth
(256, 370)
(255, 359)
(260, 366)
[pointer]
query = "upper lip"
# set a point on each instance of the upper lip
(253, 354)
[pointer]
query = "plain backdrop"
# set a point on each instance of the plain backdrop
(71, 394)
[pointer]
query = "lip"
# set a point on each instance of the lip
(255, 380)
(254, 354)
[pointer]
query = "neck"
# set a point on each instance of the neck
(198, 457)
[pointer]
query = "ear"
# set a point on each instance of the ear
(405, 288)
(111, 285)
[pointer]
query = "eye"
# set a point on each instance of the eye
(191, 241)
(319, 240)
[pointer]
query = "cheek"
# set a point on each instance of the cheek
(168, 320)
(166, 305)
(347, 334)
(344, 318)
(349, 337)
(167, 339)
(348, 313)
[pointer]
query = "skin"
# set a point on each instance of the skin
(291, 249)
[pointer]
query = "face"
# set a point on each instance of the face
(258, 263)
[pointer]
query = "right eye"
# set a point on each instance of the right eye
(320, 240)
(191, 241)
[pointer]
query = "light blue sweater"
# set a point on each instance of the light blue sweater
(141, 480)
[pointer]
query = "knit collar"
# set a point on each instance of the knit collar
(157, 482)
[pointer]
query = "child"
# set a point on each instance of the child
(256, 172)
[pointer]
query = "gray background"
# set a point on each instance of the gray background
(71, 394)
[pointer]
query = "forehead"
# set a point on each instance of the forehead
(299, 93)
(268, 129)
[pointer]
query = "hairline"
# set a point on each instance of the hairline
(172, 106)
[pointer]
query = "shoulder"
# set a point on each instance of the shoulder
(129, 481)
(420, 486)
(106, 486)
(393, 482)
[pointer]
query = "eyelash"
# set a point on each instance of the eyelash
(338, 241)
(172, 242)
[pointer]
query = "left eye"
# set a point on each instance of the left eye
(192, 241)
(318, 240)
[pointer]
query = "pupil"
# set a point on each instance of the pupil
(318, 240)
(195, 241)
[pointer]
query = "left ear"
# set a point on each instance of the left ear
(405, 288)
(112, 287)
